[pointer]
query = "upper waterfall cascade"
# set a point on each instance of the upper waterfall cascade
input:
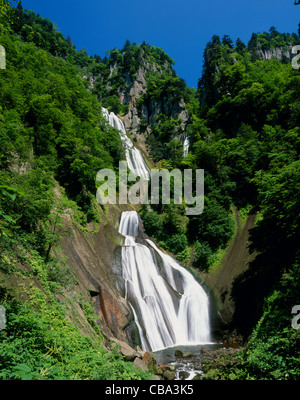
(169, 305)
(134, 157)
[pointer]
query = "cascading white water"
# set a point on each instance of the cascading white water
(186, 146)
(134, 157)
(169, 305)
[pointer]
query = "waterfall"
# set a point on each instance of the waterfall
(169, 306)
(186, 146)
(134, 157)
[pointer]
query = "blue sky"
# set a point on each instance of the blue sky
(181, 28)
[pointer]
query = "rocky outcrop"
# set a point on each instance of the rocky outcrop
(127, 351)
(136, 87)
(219, 364)
(114, 312)
(222, 280)
(277, 52)
(150, 110)
(143, 360)
(94, 256)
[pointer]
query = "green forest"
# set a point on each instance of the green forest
(243, 129)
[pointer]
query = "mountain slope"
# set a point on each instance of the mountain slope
(243, 129)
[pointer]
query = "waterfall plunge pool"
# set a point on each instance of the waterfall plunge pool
(189, 364)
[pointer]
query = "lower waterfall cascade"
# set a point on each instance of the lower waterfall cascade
(169, 306)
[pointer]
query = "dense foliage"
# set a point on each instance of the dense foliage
(49, 121)
(53, 141)
(39, 343)
(244, 133)
(244, 130)
(272, 352)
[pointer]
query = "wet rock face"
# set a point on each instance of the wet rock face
(95, 260)
(115, 313)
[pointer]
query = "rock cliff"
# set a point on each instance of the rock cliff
(94, 256)
(148, 111)
(129, 88)
(278, 53)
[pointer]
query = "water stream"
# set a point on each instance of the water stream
(170, 307)
(186, 146)
(134, 157)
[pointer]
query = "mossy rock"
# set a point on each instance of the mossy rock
(169, 375)
(178, 353)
